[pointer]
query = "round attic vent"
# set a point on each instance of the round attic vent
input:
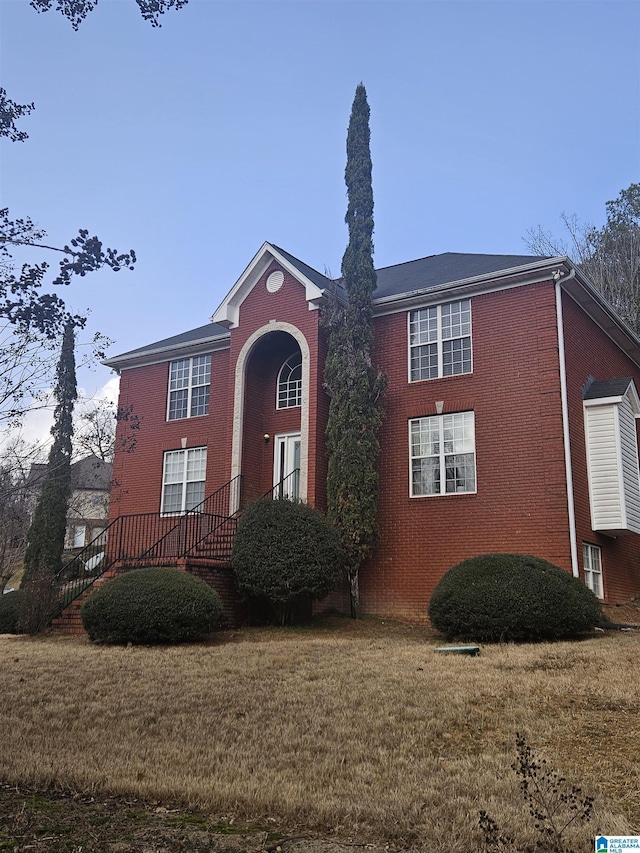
(275, 280)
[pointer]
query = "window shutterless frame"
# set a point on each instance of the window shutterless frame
(189, 387)
(592, 557)
(442, 455)
(440, 341)
(183, 480)
(289, 383)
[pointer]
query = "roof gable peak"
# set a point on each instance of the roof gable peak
(228, 312)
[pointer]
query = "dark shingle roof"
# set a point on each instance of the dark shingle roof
(91, 473)
(88, 473)
(410, 277)
(316, 277)
(193, 336)
(436, 270)
(607, 388)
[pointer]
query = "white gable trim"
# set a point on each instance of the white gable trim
(238, 402)
(228, 313)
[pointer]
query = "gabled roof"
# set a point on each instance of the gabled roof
(88, 473)
(399, 287)
(314, 283)
(91, 473)
(607, 388)
(438, 270)
(321, 281)
(612, 391)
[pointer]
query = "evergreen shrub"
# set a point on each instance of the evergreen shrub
(286, 551)
(151, 606)
(502, 597)
(10, 612)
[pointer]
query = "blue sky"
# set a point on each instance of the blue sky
(196, 142)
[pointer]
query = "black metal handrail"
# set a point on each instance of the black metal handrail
(148, 538)
(288, 487)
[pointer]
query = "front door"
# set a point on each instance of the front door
(286, 467)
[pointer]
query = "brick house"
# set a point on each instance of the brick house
(510, 421)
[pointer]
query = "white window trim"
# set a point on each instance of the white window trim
(439, 340)
(184, 481)
(442, 494)
(189, 388)
(588, 552)
(279, 380)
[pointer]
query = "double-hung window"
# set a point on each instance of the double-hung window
(440, 341)
(183, 479)
(592, 556)
(189, 382)
(442, 454)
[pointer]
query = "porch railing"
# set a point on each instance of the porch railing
(144, 539)
(288, 488)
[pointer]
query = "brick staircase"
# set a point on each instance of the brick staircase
(70, 621)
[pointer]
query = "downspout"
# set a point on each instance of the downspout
(565, 421)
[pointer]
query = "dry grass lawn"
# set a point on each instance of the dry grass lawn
(354, 730)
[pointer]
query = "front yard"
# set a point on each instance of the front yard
(347, 730)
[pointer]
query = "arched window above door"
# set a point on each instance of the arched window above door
(289, 385)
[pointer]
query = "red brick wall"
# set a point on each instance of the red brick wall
(288, 305)
(138, 474)
(520, 504)
(514, 391)
(590, 352)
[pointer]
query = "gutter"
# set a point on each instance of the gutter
(559, 279)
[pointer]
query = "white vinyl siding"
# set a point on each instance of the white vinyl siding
(612, 466)
(630, 469)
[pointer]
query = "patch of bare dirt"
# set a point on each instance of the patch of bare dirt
(62, 822)
(623, 614)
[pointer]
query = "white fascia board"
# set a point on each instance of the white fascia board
(602, 401)
(168, 353)
(487, 283)
(228, 312)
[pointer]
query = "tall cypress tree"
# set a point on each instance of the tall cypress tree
(353, 385)
(43, 557)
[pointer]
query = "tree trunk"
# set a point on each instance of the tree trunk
(354, 594)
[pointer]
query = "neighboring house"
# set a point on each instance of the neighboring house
(510, 424)
(89, 502)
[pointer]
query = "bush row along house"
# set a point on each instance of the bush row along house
(510, 423)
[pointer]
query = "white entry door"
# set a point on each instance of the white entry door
(286, 467)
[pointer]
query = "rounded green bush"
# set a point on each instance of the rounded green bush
(149, 606)
(10, 612)
(285, 551)
(501, 597)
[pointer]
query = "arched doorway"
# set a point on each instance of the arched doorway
(271, 412)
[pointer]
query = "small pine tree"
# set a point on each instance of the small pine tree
(354, 387)
(45, 539)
